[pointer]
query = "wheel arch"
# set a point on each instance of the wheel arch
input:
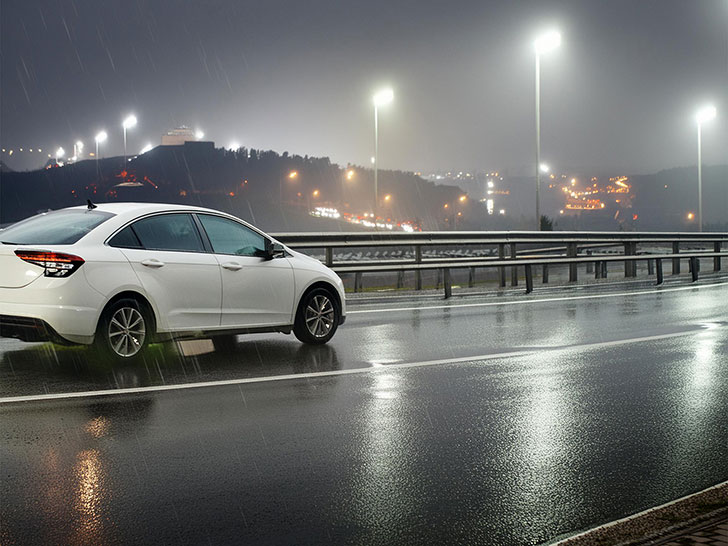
(141, 298)
(320, 284)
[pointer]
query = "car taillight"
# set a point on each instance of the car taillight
(56, 264)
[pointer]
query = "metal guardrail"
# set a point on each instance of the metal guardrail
(565, 248)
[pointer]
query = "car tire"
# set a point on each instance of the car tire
(124, 330)
(225, 343)
(317, 317)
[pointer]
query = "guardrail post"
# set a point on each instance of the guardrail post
(502, 270)
(630, 266)
(604, 269)
(357, 282)
(716, 259)
(694, 267)
(418, 273)
(545, 273)
(400, 279)
(589, 265)
(447, 283)
(676, 261)
(329, 256)
(514, 269)
(659, 270)
(650, 267)
(471, 277)
(571, 251)
(597, 269)
(529, 279)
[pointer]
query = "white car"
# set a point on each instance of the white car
(121, 275)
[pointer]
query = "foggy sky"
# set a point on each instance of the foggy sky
(619, 95)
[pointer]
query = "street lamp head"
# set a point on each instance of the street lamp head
(199, 135)
(544, 168)
(60, 152)
(79, 145)
(130, 122)
(293, 174)
(385, 96)
(101, 137)
(706, 113)
(547, 42)
(349, 174)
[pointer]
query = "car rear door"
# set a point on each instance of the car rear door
(255, 291)
(183, 279)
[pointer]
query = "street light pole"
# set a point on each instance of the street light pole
(128, 123)
(543, 44)
(704, 114)
(385, 96)
(538, 141)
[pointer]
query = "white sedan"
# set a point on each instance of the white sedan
(121, 275)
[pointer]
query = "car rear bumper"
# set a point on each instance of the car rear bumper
(28, 329)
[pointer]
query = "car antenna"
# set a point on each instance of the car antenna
(91, 206)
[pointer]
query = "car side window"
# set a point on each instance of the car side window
(169, 232)
(126, 238)
(229, 237)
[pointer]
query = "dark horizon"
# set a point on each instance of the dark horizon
(619, 95)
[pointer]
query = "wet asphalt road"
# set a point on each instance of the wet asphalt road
(481, 421)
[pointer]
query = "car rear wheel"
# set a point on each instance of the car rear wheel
(317, 317)
(124, 330)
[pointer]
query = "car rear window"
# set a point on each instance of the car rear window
(62, 227)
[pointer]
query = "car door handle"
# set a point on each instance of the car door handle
(152, 262)
(232, 266)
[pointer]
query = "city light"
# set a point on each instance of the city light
(387, 198)
(315, 193)
(234, 145)
(293, 174)
(130, 122)
(547, 41)
(60, 152)
(691, 216)
(463, 198)
(101, 137)
(199, 135)
(349, 174)
(385, 96)
(146, 148)
(706, 113)
(373, 160)
(544, 168)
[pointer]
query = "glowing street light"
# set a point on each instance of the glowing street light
(349, 174)
(381, 98)
(291, 176)
(77, 149)
(544, 168)
(463, 198)
(543, 44)
(100, 138)
(128, 123)
(60, 153)
(387, 198)
(707, 113)
(234, 145)
(199, 135)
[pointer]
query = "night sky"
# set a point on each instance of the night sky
(619, 95)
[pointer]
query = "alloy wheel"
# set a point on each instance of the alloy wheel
(320, 316)
(126, 332)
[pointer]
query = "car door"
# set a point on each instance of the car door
(255, 291)
(168, 256)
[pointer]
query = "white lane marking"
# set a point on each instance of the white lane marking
(637, 515)
(541, 300)
(331, 373)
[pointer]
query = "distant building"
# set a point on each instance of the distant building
(178, 136)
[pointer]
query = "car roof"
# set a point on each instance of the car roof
(141, 208)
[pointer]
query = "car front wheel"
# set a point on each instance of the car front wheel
(317, 317)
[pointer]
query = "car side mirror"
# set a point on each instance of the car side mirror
(273, 250)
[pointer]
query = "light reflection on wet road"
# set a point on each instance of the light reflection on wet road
(502, 451)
